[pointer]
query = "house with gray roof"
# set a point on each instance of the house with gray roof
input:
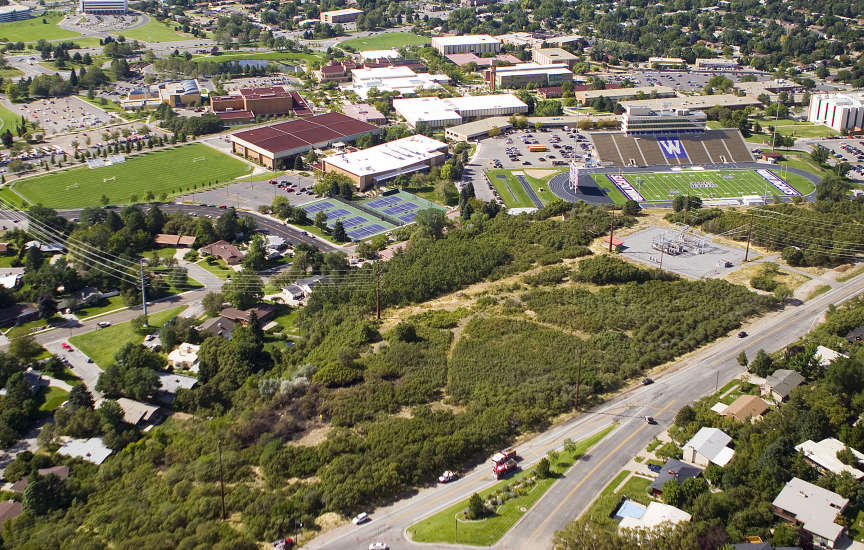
(676, 470)
(779, 385)
(813, 508)
(708, 446)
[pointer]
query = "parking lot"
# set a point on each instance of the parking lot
(847, 150)
(513, 149)
(64, 114)
(250, 195)
(680, 80)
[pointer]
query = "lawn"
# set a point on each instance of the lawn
(31, 30)
(10, 72)
(385, 41)
(541, 186)
(8, 120)
(218, 267)
(154, 31)
(172, 171)
(606, 504)
(286, 318)
(29, 327)
(286, 57)
(442, 526)
(108, 304)
(54, 397)
(101, 345)
(509, 189)
(707, 184)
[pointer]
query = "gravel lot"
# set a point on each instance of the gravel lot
(690, 264)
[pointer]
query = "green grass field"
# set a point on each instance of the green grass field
(31, 30)
(442, 526)
(385, 41)
(102, 345)
(171, 171)
(8, 120)
(287, 57)
(707, 184)
(54, 397)
(515, 196)
(154, 31)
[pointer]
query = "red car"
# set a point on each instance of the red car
(66, 346)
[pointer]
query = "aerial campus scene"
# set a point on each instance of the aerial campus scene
(438, 274)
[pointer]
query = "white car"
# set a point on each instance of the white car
(448, 476)
(103, 324)
(362, 517)
(379, 546)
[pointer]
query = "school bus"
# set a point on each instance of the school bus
(537, 148)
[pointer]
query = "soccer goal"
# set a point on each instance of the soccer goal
(198, 159)
(112, 178)
(71, 186)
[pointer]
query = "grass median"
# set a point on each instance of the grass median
(442, 527)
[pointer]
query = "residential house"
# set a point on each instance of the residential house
(92, 450)
(855, 335)
(9, 509)
(18, 314)
(779, 385)
(292, 294)
(176, 241)
(5, 248)
(218, 326)
(138, 413)
(62, 472)
(387, 253)
(676, 470)
(11, 280)
(708, 446)
(813, 508)
(655, 515)
(264, 313)
(170, 383)
(184, 357)
(47, 248)
(87, 296)
(224, 250)
(747, 407)
(826, 356)
(309, 283)
(823, 456)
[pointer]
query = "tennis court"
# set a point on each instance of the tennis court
(401, 205)
(358, 225)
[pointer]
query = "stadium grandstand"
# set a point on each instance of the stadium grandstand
(708, 147)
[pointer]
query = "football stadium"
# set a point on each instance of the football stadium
(659, 155)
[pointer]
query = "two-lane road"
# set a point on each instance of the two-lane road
(683, 382)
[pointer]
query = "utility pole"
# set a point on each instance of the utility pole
(749, 236)
(611, 229)
(377, 291)
(717, 381)
(143, 289)
(221, 479)
(578, 376)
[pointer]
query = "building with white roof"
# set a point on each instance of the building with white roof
(376, 164)
(14, 12)
(812, 507)
(666, 62)
(434, 112)
(92, 450)
(394, 79)
(843, 112)
(655, 515)
(708, 446)
(718, 64)
(469, 43)
(102, 7)
(823, 456)
(372, 55)
(346, 15)
(523, 74)
(826, 356)
(184, 356)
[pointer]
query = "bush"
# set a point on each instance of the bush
(669, 450)
(542, 470)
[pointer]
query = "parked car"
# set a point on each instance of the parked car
(655, 468)
(66, 346)
(379, 546)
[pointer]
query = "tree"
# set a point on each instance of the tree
(46, 305)
(430, 222)
(44, 494)
(24, 348)
(542, 470)
(79, 397)
(632, 208)
(819, 155)
(339, 234)
(476, 508)
(244, 290)
(742, 359)
(494, 131)
(256, 256)
(762, 365)
(321, 221)
(405, 332)
(212, 303)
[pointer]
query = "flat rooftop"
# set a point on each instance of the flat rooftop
(390, 156)
(465, 39)
(344, 11)
(305, 132)
(382, 73)
(693, 102)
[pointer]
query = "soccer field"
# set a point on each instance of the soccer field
(171, 171)
(706, 184)
(385, 41)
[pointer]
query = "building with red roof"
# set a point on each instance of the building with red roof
(247, 103)
(272, 146)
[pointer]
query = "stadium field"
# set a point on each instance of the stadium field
(706, 184)
(171, 171)
(385, 41)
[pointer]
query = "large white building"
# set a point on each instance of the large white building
(469, 43)
(394, 79)
(102, 7)
(14, 12)
(842, 112)
(371, 166)
(433, 112)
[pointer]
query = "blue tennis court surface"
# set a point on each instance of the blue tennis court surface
(401, 206)
(364, 232)
(383, 201)
(317, 207)
(409, 217)
(351, 222)
(333, 214)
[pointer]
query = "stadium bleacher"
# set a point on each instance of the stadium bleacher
(606, 150)
(717, 150)
(652, 153)
(710, 147)
(695, 151)
(735, 143)
(629, 150)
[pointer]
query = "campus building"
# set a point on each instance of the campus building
(364, 112)
(523, 74)
(647, 121)
(104, 7)
(175, 94)
(621, 94)
(248, 103)
(844, 112)
(433, 112)
(470, 43)
(336, 71)
(347, 15)
(666, 63)
(692, 103)
(394, 79)
(273, 145)
(552, 56)
(718, 64)
(14, 12)
(374, 165)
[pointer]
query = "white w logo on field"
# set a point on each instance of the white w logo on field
(672, 147)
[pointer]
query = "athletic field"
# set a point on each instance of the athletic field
(171, 171)
(706, 184)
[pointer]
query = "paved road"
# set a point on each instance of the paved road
(684, 382)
